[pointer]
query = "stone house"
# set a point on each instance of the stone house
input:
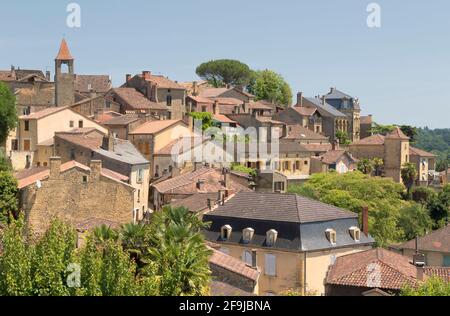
(92, 84)
(435, 246)
(338, 160)
(30, 144)
(116, 154)
(291, 239)
(152, 136)
(227, 92)
(366, 126)
(133, 101)
(74, 193)
(122, 125)
(353, 274)
(160, 89)
(95, 105)
(425, 163)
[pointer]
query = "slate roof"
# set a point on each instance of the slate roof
(154, 127)
(413, 151)
(354, 270)
(137, 100)
(336, 94)
(99, 83)
(325, 109)
(280, 207)
(437, 241)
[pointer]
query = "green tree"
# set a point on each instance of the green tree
(378, 164)
(432, 287)
(225, 72)
(382, 129)
(8, 112)
(409, 174)
(179, 252)
(366, 166)
(205, 117)
(270, 86)
(415, 221)
(409, 131)
(343, 138)
(133, 239)
(104, 233)
(8, 196)
(440, 207)
(91, 269)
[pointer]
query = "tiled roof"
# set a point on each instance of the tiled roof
(222, 118)
(376, 139)
(98, 83)
(218, 288)
(332, 156)
(200, 99)
(137, 100)
(183, 144)
(232, 264)
(305, 111)
(7, 75)
(44, 113)
(440, 272)
(437, 241)
(366, 119)
(164, 82)
(228, 101)
(317, 147)
(279, 207)
(212, 92)
(91, 223)
(25, 180)
(413, 151)
(355, 270)
(106, 116)
(153, 127)
(122, 120)
(261, 105)
(197, 202)
(397, 134)
(64, 53)
(84, 141)
(300, 133)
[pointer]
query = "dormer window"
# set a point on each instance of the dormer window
(331, 235)
(225, 232)
(247, 235)
(355, 232)
(271, 237)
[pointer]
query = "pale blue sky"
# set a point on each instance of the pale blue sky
(400, 72)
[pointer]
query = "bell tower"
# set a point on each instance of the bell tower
(64, 77)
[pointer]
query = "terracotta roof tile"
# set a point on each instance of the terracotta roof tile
(301, 133)
(438, 241)
(44, 113)
(137, 100)
(64, 52)
(397, 134)
(440, 272)
(153, 127)
(222, 118)
(163, 82)
(218, 288)
(366, 119)
(376, 139)
(305, 111)
(232, 264)
(98, 83)
(197, 202)
(413, 151)
(317, 147)
(332, 156)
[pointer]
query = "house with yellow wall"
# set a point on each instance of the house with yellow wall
(291, 239)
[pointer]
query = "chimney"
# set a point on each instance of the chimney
(300, 99)
(365, 220)
(323, 100)
(96, 169)
(216, 107)
(332, 89)
(47, 75)
(226, 178)
(221, 197)
(146, 74)
(175, 172)
(420, 273)
(335, 145)
(254, 265)
(92, 93)
(55, 167)
(108, 142)
(200, 184)
(210, 204)
(127, 77)
(194, 88)
(198, 165)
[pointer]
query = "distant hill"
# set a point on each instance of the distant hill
(436, 141)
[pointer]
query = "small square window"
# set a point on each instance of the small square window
(85, 178)
(71, 124)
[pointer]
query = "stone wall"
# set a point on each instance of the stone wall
(226, 276)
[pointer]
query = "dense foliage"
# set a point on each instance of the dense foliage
(222, 72)
(167, 257)
(8, 112)
(8, 196)
(432, 287)
(391, 218)
(243, 169)
(437, 142)
(270, 86)
(205, 117)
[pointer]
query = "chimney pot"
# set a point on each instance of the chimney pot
(127, 77)
(146, 74)
(300, 99)
(47, 75)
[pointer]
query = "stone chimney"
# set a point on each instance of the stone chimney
(96, 169)
(47, 75)
(55, 167)
(200, 184)
(226, 178)
(216, 107)
(198, 165)
(146, 74)
(127, 77)
(365, 220)
(175, 172)
(194, 88)
(300, 99)
(332, 89)
(323, 100)
(108, 142)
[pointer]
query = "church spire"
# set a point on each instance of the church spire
(64, 52)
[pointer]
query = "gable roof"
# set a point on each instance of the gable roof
(300, 133)
(354, 270)
(44, 113)
(64, 52)
(122, 120)
(413, 151)
(397, 134)
(233, 265)
(137, 100)
(376, 139)
(196, 202)
(163, 82)
(438, 241)
(34, 174)
(333, 156)
(98, 83)
(325, 109)
(279, 208)
(337, 94)
(153, 127)
(305, 111)
(212, 92)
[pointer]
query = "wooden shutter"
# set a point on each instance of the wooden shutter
(271, 265)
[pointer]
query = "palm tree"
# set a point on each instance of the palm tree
(378, 164)
(409, 174)
(104, 233)
(133, 239)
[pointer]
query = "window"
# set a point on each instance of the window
(139, 196)
(247, 235)
(279, 187)
(72, 154)
(140, 175)
(85, 178)
(80, 124)
(26, 145)
(249, 257)
(270, 265)
(271, 237)
(297, 165)
(355, 232)
(226, 232)
(71, 123)
(38, 164)
(331, 236)
(446, 262)
(306, 162)
(169, 100)
(203, 108)
(45, 164)
(27, 125)
(14, 144)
